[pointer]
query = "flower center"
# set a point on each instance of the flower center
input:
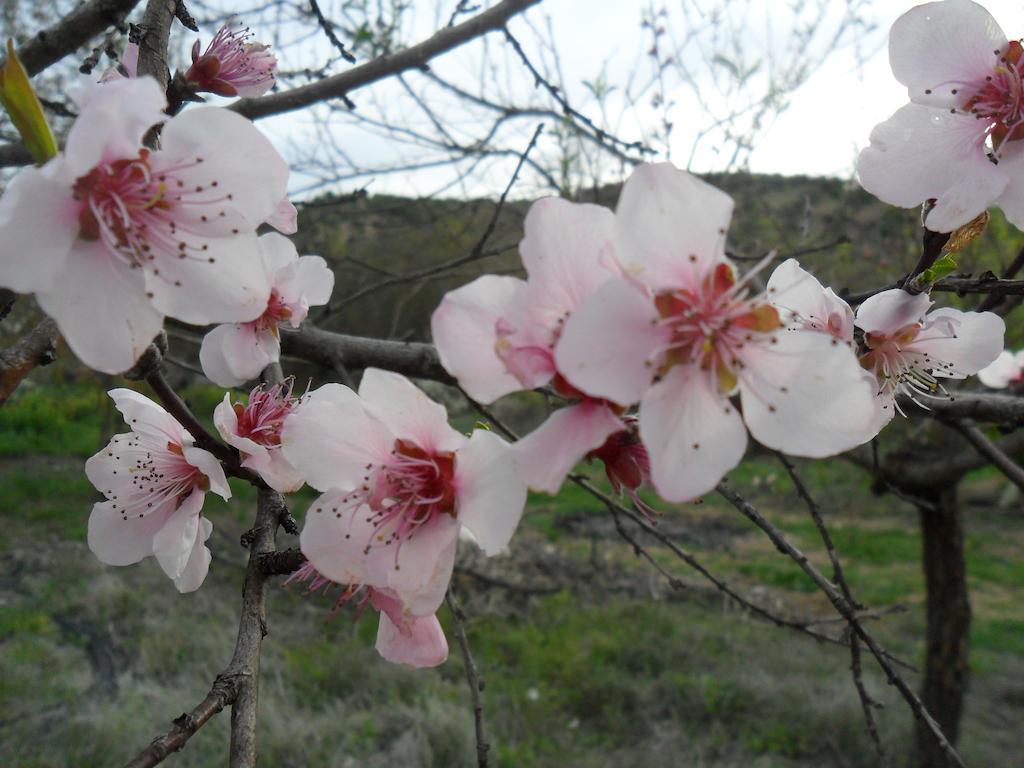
(999, 98)
(710, 325)
(158, 473)
(899, 367)
(411, 490)
(263, 418)
(276, 313)
(142, 212)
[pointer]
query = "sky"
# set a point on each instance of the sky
(827, 121)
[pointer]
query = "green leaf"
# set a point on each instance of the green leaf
(19, 99)
(944, 266)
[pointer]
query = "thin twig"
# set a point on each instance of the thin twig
(328, 28)
(37, 347)
(843, 606)
(476, 685)
(1011, 469)
(222, 694)
(476, 253)
(867, 703)
(414, 57)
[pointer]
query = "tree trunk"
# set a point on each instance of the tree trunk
(949, 621)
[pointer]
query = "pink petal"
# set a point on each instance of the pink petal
(112, 120)
(692, 433)
(1012, 199)
(939, 47)
(464, 330)
(610, 344)
(38, 224)
(145, 416)
(116, 541)
(275, 470)
(567, 251)
(235, 154)
(210, 466)
(798, 292)
(277, 252)
(420, 643)
(889, 311)
(807, 395)
(194, 573)
(332, 438)
(425, 566)
(407, 411)
(308, 283)
(671, 226)
(174, 542)
(545, 456)
(1000, 372)
(921, 153)
(967, 341)
(285, 218)
(234, 354)
(101, 308)
(226, 284)
(489, 495)
(337, 548)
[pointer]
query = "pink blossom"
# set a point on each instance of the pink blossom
(959, 138)
(233, 354)
(233, 65)
(111, 236)
(497, 335)
(397, 483)
(909, 348)
(682, 334)
(805, 303)
(155, 481)
(255, 430)
(417, 641)
(1007, 370)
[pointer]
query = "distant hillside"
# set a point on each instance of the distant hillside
(375, 238)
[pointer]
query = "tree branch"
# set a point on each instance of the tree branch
(476, 685)
(221, 695)
(327, 349)
(156, 32)
(337, 86)
(50, 45)
(847, 611)
(1013, 471)
(37, 347)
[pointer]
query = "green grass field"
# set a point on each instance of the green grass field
(589, 657)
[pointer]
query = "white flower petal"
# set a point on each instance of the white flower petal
(670, 226)
(936, 48)
(489, 493)
(407, 411)
(692, 433)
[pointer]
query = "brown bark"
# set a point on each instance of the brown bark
(949, 620)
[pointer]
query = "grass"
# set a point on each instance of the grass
(614, 669)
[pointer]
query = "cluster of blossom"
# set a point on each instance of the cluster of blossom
(661, 355)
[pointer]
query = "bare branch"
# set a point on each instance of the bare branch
(156, 32)
(37, 347)
(221, 695)
(327, 349)
(476, 685)
(1013, 471)
(52, 44)
(337, 86)
(843, 606)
